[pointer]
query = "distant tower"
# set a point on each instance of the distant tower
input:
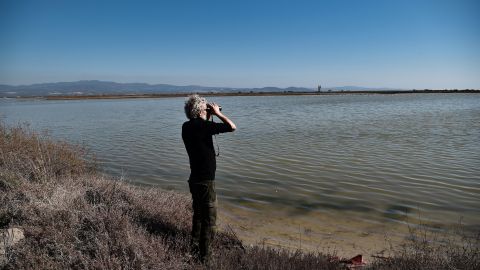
(319, 88)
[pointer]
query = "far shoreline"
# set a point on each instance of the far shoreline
(235, 94)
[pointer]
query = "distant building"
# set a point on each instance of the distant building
(319, 88)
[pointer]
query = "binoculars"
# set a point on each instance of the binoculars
(209, 109)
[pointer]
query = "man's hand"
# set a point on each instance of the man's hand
(215, 108)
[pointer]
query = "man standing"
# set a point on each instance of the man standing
(197, 137)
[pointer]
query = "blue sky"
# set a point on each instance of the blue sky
(374, 43)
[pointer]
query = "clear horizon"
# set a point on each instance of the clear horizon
(412, 44)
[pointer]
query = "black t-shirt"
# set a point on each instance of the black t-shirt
(197, 137)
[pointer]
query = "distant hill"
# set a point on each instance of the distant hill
(94, 87)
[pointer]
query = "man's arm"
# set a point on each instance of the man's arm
(216, 111)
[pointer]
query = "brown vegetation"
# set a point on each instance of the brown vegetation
(425, 249)
(75, 218)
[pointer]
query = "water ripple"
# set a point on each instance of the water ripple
(379, 158)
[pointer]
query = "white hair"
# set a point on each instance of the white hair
(194, 105)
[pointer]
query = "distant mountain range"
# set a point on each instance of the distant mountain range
(94, 87)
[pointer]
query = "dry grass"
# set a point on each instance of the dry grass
(425, 249)
(25, 156)
(74, 218)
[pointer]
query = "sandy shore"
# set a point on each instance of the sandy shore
(343, 236)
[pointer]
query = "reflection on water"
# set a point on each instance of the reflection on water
(385, 159)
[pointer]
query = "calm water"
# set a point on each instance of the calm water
(379, 158)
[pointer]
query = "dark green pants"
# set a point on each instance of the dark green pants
(204, 218)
